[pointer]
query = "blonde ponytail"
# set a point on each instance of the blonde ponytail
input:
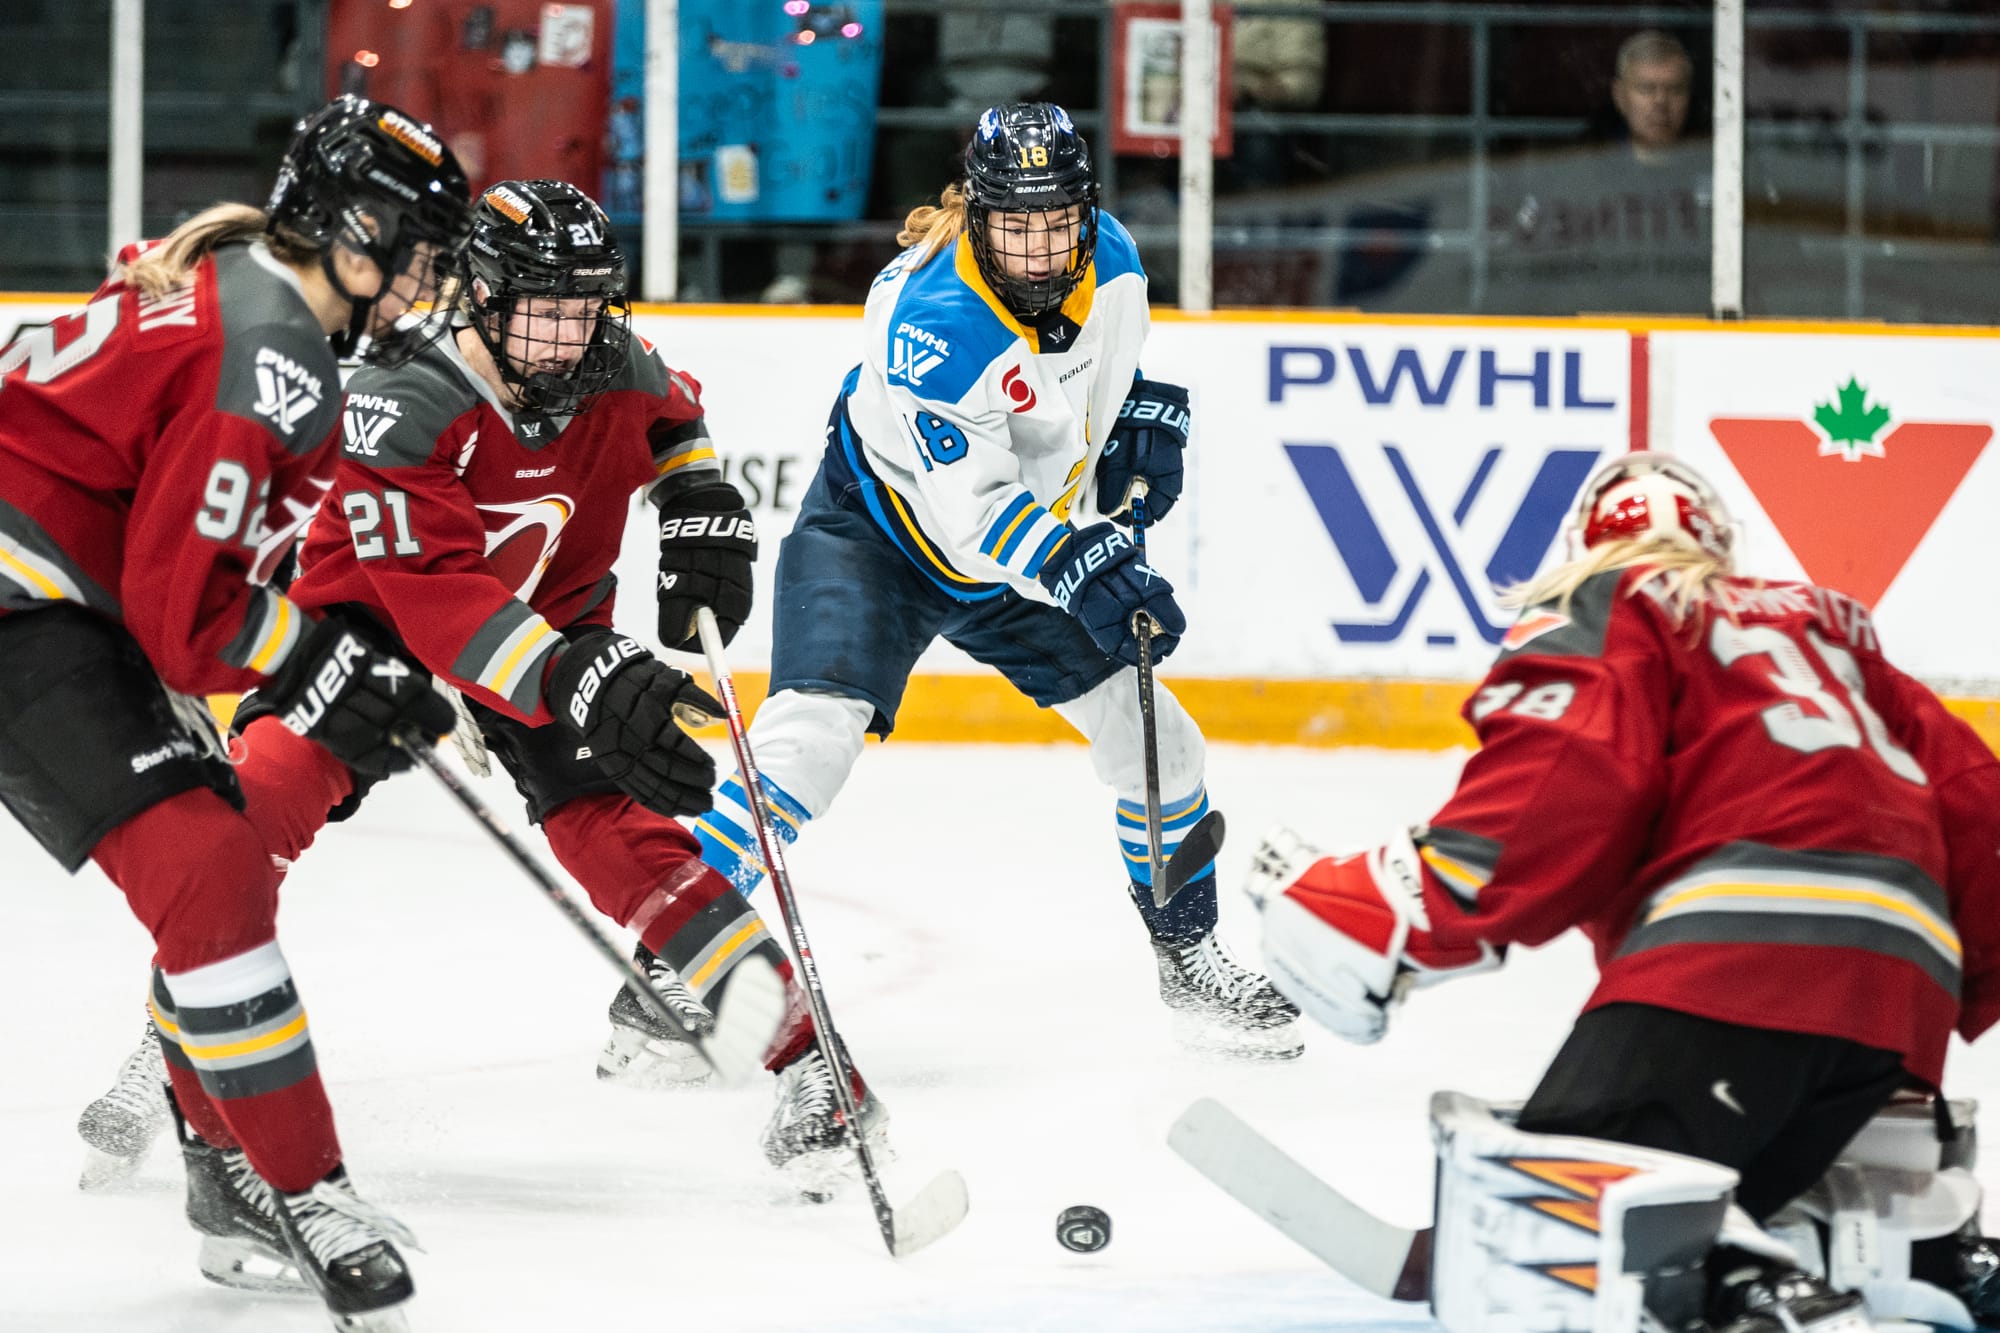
(167, 265)
(935, 226)
(1688, 577)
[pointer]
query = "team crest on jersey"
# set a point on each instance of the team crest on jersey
(287, 393)
(521, 539)
(1531, 626)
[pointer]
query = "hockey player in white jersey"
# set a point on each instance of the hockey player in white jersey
(998, 419)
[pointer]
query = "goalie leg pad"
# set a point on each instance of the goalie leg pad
(1540, 1232)
(1899, 1187)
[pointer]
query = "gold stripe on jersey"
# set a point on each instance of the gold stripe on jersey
(1793, 896)
(1462, 877)
(499, 677)
(916, 536)
(33, 578)
(279, 635)
(679, 461)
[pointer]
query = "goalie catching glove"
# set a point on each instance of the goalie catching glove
(1347, 937)
(621, 701)
(708, 547)
(338, 691)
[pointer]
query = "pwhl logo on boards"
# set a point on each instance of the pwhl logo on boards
(1356, 523)
(1854, 489)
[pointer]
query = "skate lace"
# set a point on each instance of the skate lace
(138, 1089)
(811, 1093)
(335, 1222)
(1207, 963)
(256, 1191)
(668, 984)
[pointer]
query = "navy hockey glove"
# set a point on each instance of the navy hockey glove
(621, 701)
(1147, 444)
(1099, 577)
(351, 698)
(708, 545)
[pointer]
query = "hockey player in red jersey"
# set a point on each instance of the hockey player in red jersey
(472, 529)
(159, 450)
(1782, 847)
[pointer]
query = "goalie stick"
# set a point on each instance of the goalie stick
(1392, 1262)
(753, 1007)
(940, 1205)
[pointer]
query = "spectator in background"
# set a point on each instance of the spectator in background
(1652, 92)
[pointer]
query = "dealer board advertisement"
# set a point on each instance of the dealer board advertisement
(1862, 463)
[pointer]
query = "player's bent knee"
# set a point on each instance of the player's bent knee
(198, 876)
(806, 741)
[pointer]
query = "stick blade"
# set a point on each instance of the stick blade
(933, 1213)
(747, 1021)
(1196, 852)
(1248, 1167)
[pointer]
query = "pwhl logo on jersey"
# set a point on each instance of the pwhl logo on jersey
(1356, 524)
(915, 353)
(525, 539)
(1852, 490)
(286, 390)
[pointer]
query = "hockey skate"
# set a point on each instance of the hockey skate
(242, 1245)
(1764, 1300)
(118, 1128)
(1221, 1006)
(346, 1248)
(806, 1139)
(644, 1052)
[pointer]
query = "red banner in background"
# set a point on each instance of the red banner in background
(518, 88)
(1146, 79)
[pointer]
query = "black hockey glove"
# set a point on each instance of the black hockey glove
(1147, 444)
(351, 698)
(708, 545)
(621, 701)
(1099, 577)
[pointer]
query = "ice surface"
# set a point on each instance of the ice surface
(982, 961)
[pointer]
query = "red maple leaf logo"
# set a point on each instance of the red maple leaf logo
(1851, 506)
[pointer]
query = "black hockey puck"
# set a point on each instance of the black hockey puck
(1083, 1228)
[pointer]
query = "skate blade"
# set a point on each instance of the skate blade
(631, 1060)
(103, 1171)
(392, 1320)
(244, 1265)
(1206, 1036)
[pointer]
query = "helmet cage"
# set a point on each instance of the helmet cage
(362, 176)
(1651, 496)
(546, 240)
(1027, 158)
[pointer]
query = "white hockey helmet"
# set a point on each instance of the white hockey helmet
(1652, 496)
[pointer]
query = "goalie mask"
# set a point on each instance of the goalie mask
(547, 293)
(364, 177)
(1649, 496)
(1031, 205)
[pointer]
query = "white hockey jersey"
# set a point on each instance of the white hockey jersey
(972, 438)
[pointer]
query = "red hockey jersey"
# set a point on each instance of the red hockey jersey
(478, 534)
(157, 457)
(1753, 816)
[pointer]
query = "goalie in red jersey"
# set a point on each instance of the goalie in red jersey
(1787, 854)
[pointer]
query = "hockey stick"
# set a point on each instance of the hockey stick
(1204, 840)
(1392, 1262)
(940, 1205)
(1149, 732)
(753, 1008)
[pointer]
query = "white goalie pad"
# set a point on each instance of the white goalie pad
(1895, 1184)
(1543, 1232)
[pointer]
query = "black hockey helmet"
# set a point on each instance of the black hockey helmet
(1027, 157)
(548, 239)
(364, 176)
